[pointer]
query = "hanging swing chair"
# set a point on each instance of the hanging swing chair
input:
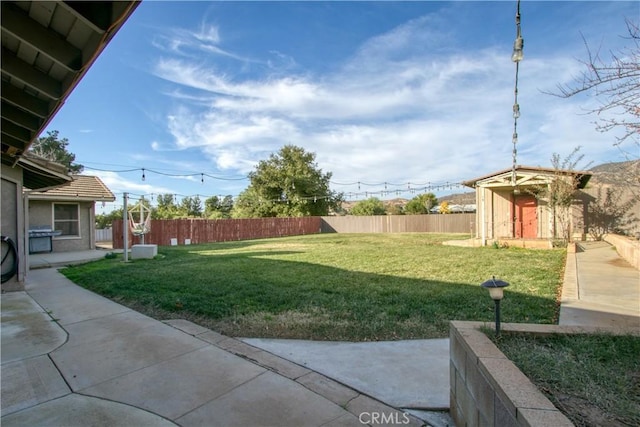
(143, 225)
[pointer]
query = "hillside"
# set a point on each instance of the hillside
(616, 173)
(468, 198)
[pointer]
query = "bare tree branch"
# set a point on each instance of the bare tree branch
(616, 84)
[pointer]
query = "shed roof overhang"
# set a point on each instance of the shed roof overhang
(47, 47)
(526, 177)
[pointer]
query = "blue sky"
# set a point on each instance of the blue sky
(410, 94)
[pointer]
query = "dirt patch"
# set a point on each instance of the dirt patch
(619, 262)
(582, 412)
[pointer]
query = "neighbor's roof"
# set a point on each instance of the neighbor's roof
(82, 188)
(40, 174)
(583, 176)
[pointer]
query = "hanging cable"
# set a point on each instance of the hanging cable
(516, 57)
(11, 249)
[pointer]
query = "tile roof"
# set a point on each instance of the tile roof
(83, 187)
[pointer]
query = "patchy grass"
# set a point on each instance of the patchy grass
(355, 287)
(593, 379)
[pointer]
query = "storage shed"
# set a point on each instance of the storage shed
(511, 204)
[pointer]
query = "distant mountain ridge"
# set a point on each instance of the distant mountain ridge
(616, 173)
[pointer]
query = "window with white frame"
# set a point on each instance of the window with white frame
(66, 218)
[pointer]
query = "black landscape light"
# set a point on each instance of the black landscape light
(496, 291)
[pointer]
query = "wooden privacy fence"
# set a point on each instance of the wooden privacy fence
(218, 230)
(222, 230)
(435, 223)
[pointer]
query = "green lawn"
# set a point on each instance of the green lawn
(593, 379)
(356, 287)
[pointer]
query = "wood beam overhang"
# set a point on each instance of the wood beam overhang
(522, 180)
(96, 14)
(19, 98)
(14, 130)
(45, 41)
(47, 47)
(10, 141)
(25, 73)
(20, 117)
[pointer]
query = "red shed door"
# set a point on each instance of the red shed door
(526, 217)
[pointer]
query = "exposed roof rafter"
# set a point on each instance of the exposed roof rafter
(17, 23)
(29, 75)
(47, 47)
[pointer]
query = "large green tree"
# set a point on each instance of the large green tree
(214, 207)
(166, 208)
(51, 147)
(105, 220)
(421, 204)
(190, 207)
(371, 206)
(288, 184)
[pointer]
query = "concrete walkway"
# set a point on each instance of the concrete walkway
(411, 374)
(62, 259)
(71, 357)
(600, 288)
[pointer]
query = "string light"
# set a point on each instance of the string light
(360, 184)
(173, 175)
(411, 188)
(314, 197)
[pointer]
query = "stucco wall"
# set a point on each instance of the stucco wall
(12, 221)
(41, 213)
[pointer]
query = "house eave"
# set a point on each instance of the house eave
(39, 177)
(71, 199)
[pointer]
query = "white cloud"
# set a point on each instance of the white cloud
(208, 34)
(405, 108)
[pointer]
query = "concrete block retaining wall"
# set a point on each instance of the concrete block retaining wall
(487, 389)
(628, 249)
